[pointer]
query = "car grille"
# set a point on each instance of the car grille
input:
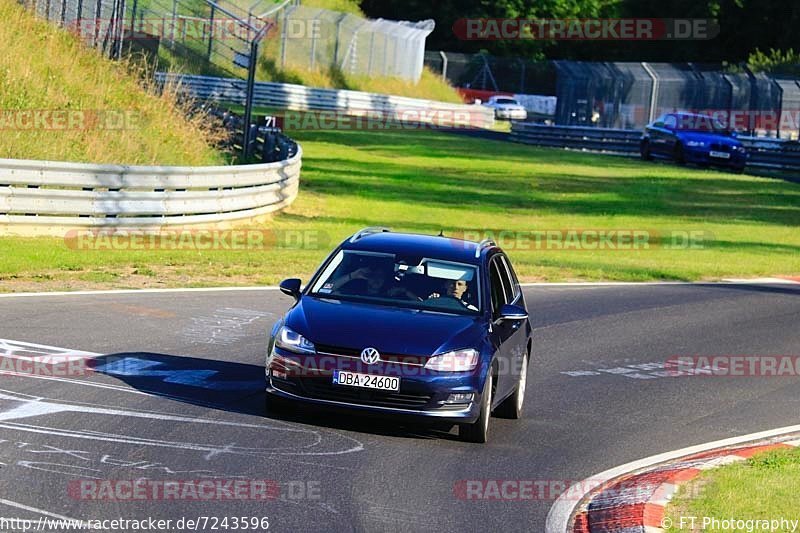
(720, 147)
(356, 352)
(323, 389)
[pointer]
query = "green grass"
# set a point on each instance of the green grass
(765, 487)
(428, 181)
(344, 6)
(43, 68)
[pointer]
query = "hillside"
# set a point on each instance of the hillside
(60, 100)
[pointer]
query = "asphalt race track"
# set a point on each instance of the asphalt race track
(179, 397)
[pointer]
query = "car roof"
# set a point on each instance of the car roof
(685, 114)
(434, 246)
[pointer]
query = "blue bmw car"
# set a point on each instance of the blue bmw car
(421, 326)
(692, 138)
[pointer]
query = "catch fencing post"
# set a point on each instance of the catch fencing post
(371, 52)
(174, 22)
(337, 44)
(251, 81)
(97, 11)
(653, 92)
(211, 33)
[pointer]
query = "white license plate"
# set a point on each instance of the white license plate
(367, 381)
(721, 155)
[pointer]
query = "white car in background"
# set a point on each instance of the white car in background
(506, 108)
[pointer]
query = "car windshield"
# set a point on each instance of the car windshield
(414, 282)
(506, 101)
(701, 123)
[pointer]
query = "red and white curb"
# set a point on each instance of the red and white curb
(632, 498)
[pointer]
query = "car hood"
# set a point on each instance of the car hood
(390, 330)
(708, 138)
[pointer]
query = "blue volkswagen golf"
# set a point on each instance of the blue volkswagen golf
(400, 324)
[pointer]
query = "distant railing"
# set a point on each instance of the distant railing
(765, 153)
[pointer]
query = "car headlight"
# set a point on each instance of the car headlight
(740, 149)
(456, 361)
(695, 144)
(292, 341)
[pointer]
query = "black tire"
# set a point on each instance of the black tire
(478, 431)
(644, 150)
(512, 406)
(678, 154)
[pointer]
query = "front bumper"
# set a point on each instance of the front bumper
(702, 156)
(511, 114)
(422, 393)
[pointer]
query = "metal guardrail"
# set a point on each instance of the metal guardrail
(765, 153)
(302, 98)
(49, 198)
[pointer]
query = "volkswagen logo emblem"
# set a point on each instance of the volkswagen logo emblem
(370, 356)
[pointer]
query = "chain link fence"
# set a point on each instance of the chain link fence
(630, 95)
(98, 22)
(315, 38)
(217, 36)
(490, 73)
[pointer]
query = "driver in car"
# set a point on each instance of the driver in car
(369, 280)
(457, 289)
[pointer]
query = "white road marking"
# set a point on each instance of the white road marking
(9, 503)
(134, 291)
(225, 326)
(560, 513)
(25, 406)
(127, 366)
(40, 352)
(275, 288)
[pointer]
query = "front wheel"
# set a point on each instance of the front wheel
(512, 406)
(644, 150)
(678, 154)
(479, 430)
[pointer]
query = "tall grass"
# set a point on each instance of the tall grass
(44, 68)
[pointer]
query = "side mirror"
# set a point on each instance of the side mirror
(291, 287)
(511, 313)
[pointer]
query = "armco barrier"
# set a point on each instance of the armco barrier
(764, 153)
(49, 198)
(302, 98)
